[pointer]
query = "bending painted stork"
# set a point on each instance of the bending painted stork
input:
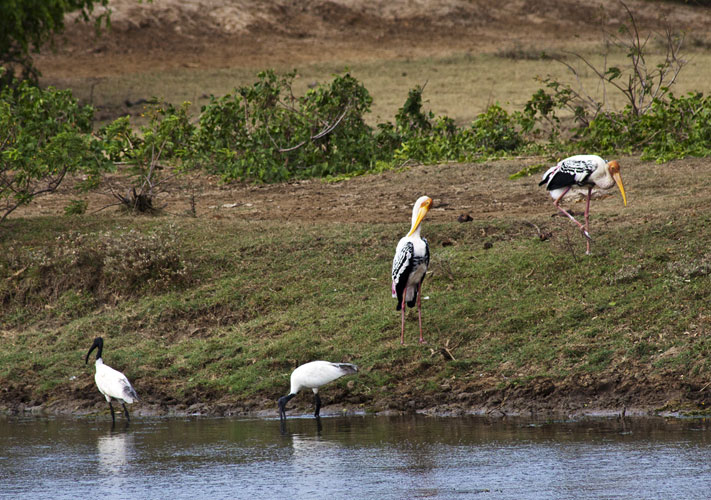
(111, 383)
(589, 171)
(312, 376)
(412, 256)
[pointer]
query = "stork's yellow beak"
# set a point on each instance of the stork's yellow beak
(614, 167)
(424, 208)
(618, 181)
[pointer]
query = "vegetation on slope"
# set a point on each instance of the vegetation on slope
(219, 314)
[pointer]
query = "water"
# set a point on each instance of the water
(359, 457)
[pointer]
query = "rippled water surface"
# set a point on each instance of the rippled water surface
(354, 458)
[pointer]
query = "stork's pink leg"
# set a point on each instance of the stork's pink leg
(587, 220)
(556, 203)
(419, 311)
(402, 331)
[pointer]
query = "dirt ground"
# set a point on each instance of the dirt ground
(205, 34)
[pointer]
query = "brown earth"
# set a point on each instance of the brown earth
(222, 33)
(248, 33)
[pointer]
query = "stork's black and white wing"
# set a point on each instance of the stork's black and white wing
(427, 252)
(404, 254)
(574, 170)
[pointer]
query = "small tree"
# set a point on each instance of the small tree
(44, 135)
(28, 25)
(167, 137)
(639, 81)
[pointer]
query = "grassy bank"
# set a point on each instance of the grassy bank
(217, 312)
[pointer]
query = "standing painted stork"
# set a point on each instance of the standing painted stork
(412, 256)
(313, 375)
(111, 383)
(589, 171)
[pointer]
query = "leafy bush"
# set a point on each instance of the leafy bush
(494, 131)
(676, 128)
(76, 207)
(265, 133)
(491, 133)
(44, 135)
(672, 128)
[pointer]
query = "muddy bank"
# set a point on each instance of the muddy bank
(612, 396)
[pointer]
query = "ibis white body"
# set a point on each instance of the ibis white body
(313, 375)
(317, 373)
(111, 383)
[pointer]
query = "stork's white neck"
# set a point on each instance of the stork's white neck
(415, 212)
(602, 177)
(416, 234)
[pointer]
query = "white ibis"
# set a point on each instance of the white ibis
(111, 383)
(589, 171)
(412, 256)
(313, 375)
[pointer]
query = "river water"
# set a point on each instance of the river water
(356, 457)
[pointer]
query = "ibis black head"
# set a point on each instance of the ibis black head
(98, 345)
(282, 405)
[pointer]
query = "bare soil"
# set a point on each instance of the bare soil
(221, 33)
(248, 33)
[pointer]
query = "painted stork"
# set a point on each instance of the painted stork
(412, 256)
(111, 383)
(589, 171)
(313, 375)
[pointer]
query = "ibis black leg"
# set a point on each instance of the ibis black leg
(317, 402)
(113, 417)
(125, 412)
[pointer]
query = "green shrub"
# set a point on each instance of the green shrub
(44, 136)
(76, 207)
(263, 132)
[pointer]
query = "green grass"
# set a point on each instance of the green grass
(264, 297)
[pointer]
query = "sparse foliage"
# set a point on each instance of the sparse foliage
(168, 136)
(640, 81)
